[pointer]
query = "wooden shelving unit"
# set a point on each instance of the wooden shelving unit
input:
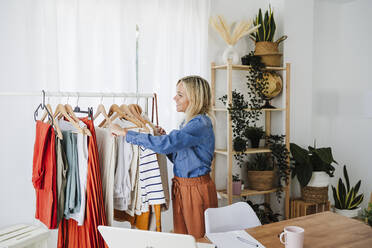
(227, 193)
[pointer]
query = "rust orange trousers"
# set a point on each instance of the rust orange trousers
(191, 197)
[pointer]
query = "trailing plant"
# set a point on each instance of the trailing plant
(267, 27)
(346, 197)
(257, 87)
(280, 157)
(264, 213)
(307, 161)
(239, 144)
(260, 162)
(237, 111)
(252, 60)
(367, 214)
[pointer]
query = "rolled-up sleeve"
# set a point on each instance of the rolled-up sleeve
(166, 144)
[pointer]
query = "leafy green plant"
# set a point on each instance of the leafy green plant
(254, 134)
(260, 162)
(264, 213)
(267, 29)
(346, 197)
(367, 214)
(313, 159)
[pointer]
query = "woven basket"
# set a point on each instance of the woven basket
(269, 52)
(274, 59)
(261, 180)
(315, 194)
(266, 47)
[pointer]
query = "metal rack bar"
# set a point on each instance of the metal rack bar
(76, 94)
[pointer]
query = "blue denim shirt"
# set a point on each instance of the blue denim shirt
(190, 149)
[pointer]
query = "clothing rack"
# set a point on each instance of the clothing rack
(44, 94)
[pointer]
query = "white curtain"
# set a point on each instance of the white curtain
(91, 46)
(87, 45)
(173, 43)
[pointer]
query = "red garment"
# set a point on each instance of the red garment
(44, 174)
(69, 233)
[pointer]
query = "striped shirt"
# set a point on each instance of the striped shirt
(149, 179)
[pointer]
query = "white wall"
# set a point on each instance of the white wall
(342, 89)
(328, 47)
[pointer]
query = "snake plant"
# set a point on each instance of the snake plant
(267, 29)
(346, 197)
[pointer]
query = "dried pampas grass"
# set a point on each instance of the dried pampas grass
(241, 29)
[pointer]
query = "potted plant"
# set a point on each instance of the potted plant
(313, 168)
(367, 214)
(347, 200)
(236, 185)
(254, 134)
(261, 175)
(264, 36)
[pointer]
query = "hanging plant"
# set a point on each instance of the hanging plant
(280, 155)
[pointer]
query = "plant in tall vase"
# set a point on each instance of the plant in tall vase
(231, 36)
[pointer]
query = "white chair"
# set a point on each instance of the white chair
(122, 224)
(237, 216)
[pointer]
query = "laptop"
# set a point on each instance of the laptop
(116, 237)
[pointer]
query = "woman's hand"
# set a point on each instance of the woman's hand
(118, 131)
(160, 130)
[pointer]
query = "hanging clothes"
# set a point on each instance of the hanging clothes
(62, 168)
(44, 175)
(107, 150)
(163, 166)
(87, 235)
(73, 193)
(146, 182)
(77, 178)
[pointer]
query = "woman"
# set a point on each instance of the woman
(191, 150)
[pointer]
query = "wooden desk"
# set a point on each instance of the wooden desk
(324, 230)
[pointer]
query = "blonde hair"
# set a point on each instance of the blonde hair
(199, 94)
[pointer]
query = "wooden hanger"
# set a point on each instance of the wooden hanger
(55, 123)
(120, 113)
(71, 112)
(101, 110)
(137, 111)
(61, 111)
